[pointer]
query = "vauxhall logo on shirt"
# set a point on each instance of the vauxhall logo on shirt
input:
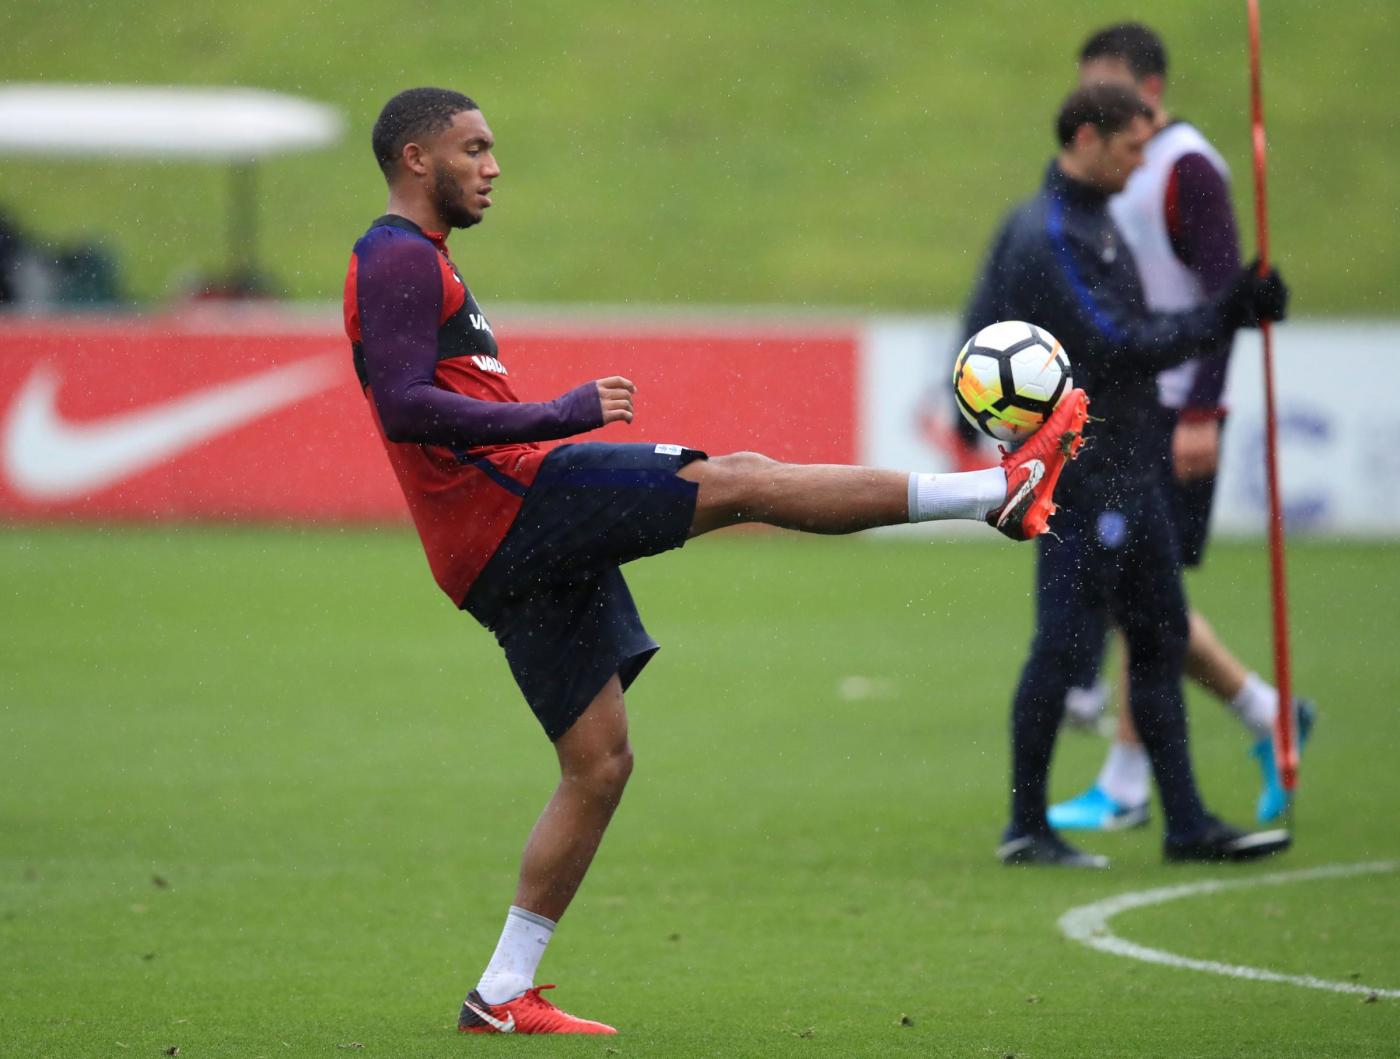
(486, 363)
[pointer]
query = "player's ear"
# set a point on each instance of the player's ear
(414, 158)
(1086, 137)
(1151, 89)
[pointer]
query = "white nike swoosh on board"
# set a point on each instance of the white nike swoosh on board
(506, 1025)
(49, 458)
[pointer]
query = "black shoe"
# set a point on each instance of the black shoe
(1049, 849)
(1218, 842)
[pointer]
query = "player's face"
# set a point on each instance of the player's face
(1118, 154)
(463, 168)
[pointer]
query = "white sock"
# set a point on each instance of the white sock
(964, 494)
(512, 967)
(1085, 705)
(1126, 774)
(1256, 705)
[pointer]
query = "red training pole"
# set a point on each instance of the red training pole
(1285, 736)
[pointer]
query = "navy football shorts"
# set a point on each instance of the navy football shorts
(552, 593)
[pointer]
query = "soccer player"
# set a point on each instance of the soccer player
(1176, 217)
(1060, 261)
(528, 539)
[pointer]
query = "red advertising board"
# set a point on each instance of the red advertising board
(261, 418)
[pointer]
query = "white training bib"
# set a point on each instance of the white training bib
(1140, 212)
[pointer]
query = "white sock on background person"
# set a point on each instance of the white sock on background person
(518, 953)
(963, 494)
(1256, 705)
(1126, 775)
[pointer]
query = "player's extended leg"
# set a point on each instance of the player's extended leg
(816, 498)
(595, 761)
(828, 498)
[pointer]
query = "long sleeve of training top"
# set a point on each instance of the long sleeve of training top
(400, 302)
(1201, 226)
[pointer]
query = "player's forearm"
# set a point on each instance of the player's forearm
(424, 414)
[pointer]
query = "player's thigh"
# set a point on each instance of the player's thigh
(594, 506)
(726, 488)
(566, 641)
(616, 503)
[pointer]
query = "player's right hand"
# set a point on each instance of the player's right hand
(615, 395)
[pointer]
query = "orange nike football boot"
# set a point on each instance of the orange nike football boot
(527, 1013)
(1034, 468)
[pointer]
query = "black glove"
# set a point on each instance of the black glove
(1251, 298)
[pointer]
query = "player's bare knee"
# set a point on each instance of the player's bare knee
(607, 774)
(748, 462)
(741, 476)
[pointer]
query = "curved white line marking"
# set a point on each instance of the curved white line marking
(1089, 924)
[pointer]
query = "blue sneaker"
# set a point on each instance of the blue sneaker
(1094, 810)
(1273, 799)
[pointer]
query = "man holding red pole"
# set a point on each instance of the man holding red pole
(1175, 214)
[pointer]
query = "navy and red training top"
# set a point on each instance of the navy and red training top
(463, 446)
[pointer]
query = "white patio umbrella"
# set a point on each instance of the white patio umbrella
(235, 126)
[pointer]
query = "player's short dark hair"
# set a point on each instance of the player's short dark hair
(1132, 42)
(411, 114)
(1109, 108)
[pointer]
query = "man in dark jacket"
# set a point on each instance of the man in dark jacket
(1060, 262)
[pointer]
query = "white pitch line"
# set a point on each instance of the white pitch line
(1089, 924)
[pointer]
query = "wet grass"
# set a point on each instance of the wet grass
(262, 794)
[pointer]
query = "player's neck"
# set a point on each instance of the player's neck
(1074, 167)
(417, 211)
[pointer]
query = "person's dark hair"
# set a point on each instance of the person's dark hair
(411, 114)
(1109, 108)
(1132, 42)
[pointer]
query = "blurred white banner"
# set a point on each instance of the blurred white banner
(1338, 404)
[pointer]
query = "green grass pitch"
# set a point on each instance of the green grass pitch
(262, 793)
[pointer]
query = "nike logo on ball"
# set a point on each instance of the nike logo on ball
(49, 458)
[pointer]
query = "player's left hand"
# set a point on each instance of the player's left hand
(615, 395)
(1195, 449)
